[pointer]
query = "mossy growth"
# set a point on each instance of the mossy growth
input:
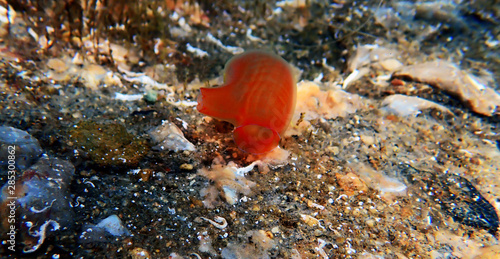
(107, 144)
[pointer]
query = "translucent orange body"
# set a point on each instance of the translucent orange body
(258, 98)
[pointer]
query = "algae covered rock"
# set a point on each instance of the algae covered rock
(107, 144)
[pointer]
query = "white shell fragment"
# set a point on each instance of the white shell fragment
(375, 56)
(91, 75)
(403, 105)
(196, 51)
(218, 222)
(292, 3)
(169, 137)
(231, 49)
(388, 187)
(103, 231)
(254, 38)
(451, 79)
(113, 225)
(149, 82)
(42, 234)
(128, 97)
(371, 58)
(229, 182)
(391, 64)
(316, 103)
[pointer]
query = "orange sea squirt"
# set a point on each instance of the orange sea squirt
(258, 98)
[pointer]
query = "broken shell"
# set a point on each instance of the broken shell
(451, 79)
(170, 137)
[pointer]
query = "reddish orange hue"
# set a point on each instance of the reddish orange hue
(392, 118)
(258, 98)
(397, 82)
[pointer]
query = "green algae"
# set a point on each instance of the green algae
(107, 144)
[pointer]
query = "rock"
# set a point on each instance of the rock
(491, 252)
(228, 181)
(449, 78)
(58, 65)
(330, 104)
(351, 184)
(169, 137)
(374, 55)
(93, 75)
(441, 12)
(111, 226)
(186, 167)
(467, 205)
(257, 246)
(403, 105)
(24, 149)
(107, 144)
(43, 201)
(391, 64)
(387, 186)
(139, 253)
(458, 197)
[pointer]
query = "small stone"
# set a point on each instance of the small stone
(169, 137)
(139, 253)
(351, 183)
(403, 105)
(145, 174)
(57, 64)
(397, 82)
(389, 187)
(318, 233)
(151, 96)
(19, 145)
(311, 221)
(334, 150)
(113, 225)
(187, 167)
(391, 64)
(108, 229)
(373, 210)
(370, 223)
(367, 140)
